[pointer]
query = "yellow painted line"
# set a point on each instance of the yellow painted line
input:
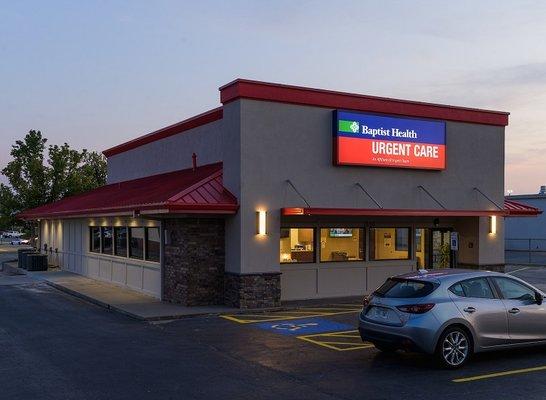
(260, 318)
(330, 309)
(346, 336)
(267, 318)
(334, 347)
(345, 343)
(336, 333)
(298, 312)
(311, 313)
(499, 374)
(359, 347)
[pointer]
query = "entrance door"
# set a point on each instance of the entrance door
(440, 253)
(432, 248)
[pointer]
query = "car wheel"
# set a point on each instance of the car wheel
(385, 348)
(454, 348)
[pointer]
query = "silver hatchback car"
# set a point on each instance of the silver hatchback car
(453, 313)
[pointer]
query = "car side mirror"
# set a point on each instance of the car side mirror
(538, 298)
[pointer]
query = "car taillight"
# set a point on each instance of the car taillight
(366, 301)
(416, 308)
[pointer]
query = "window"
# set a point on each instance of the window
(403, 288)
(421, 247)
(401, 239)
(513, 290)
(341, 244)
(152, 244)
(107, 240)
(136, 243)
(476, 288)
(389, 244)
(120, 241)
(297, 245)
(94, 234)
(457, 289)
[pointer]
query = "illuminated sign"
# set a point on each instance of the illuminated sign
(381, 141)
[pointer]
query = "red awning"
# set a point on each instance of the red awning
(516, 209)
(184, 191)
(511, 208)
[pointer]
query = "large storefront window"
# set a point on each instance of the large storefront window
(94, 234)
(152, 244)
(120, 240)
(136, 243)
(389, 243)
(341, 244)
(107, 240)
(297, 245)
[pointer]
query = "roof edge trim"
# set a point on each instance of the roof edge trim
(193, 122)
(266, 91)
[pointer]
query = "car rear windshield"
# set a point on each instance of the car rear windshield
(405, 288)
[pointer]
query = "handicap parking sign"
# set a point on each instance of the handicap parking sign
(304, 326)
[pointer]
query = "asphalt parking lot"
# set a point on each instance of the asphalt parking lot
(55, 346)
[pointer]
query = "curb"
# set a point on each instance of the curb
(137, 317)
(93, 300)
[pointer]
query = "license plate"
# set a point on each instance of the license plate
(382, 314)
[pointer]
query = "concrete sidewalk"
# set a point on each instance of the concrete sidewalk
(125, 301)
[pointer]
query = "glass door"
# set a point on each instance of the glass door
(440, 248)
(432, 248)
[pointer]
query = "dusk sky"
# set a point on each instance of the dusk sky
(97, 73)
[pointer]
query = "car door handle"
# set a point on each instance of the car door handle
(469, 310)
(514, 310)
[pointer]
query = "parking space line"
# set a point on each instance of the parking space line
(329, 341)
(310, 312)
(261, 318)
(499, 374)
(345, 336)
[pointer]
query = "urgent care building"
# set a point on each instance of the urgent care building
(287, 193)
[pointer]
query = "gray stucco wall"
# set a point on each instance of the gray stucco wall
(262, 144)
(282, 141)
(169, 154)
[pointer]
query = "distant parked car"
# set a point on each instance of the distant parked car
(453, 314)
(19, 242)
(12, 234)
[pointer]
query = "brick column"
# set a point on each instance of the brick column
(194, 261)
(253, 290)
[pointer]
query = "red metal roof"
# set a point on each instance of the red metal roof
(184, 191)
(515, 208)
(243, 88)
(511, 208)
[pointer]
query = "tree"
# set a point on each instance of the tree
(33, 182)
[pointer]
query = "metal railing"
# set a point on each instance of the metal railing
(525, 251)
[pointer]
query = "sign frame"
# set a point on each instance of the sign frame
(337, 161)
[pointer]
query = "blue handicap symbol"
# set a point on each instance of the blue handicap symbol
(304, 326)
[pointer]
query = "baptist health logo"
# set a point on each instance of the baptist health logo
(349, 126)
(355, 127)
